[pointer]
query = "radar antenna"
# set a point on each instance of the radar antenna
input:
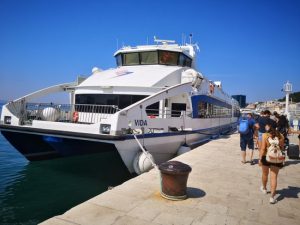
(164, 42)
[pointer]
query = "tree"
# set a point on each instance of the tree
(294, 96)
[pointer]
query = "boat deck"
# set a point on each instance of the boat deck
(221, 190)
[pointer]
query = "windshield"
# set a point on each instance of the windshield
(168, 58)
(131, 59)
(148, 58)
(153, 57)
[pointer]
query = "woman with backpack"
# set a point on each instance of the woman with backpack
(271, 158)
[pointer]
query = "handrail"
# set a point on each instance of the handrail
(75, 113)
(162, 113)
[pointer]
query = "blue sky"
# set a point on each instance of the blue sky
(253, 47)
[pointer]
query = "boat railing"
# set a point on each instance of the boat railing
(214, 113)
(217, 113)
(157, 113)
(68, 113)
(295, 113)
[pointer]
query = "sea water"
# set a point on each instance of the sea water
(31, 192)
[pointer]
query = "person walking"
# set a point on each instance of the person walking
(292, 131)
(271, 159)
(246, 130)
(283, 125)
(261, 123)
(275, 116)
(255, 135)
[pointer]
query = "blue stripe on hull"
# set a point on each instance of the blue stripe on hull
(69, 147)
(41, 147)
(28, 144)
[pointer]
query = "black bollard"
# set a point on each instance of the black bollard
(174, 176)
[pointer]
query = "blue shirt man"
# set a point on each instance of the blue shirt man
(246, 139)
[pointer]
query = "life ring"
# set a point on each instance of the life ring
(75, 116)
(211, 88)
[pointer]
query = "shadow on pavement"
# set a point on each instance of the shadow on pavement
(290, 192)
(195, 192)
(291, 162)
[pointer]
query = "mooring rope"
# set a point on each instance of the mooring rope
(145, 152)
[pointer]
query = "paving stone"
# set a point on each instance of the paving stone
(153, 208)
(58, 221)
(135, 189)
(212, 199)
(116, 201)
(90, 214)
(171, 219)
(295, 205)
(127, 220)
(247, 222)
(213, 208)
(235, 202)
(216, 219)
(286, 214)
(148, 210)
(246, 214)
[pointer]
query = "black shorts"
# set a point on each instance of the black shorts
(266, 163)
(246, 141)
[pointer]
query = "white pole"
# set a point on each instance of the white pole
(287, 96)
(287, 88)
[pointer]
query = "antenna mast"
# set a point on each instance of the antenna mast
(191, 36)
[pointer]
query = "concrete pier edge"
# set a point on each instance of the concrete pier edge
(221, 190)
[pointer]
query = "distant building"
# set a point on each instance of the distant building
(241, 99)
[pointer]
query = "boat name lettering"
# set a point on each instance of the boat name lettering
(140, 123)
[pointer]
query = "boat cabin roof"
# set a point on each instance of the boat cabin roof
(186, 49)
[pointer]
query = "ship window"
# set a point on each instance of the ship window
(188, 62)
(184, 60)
(136, 98)
(131, 59)
(202, 110)
(149, 58)
(121, 101)
(119, 60)
(168, 58)
(124, 101)
(153, 109)
(208, 110)
(177, 108)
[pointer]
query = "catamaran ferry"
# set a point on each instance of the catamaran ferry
(154, 99)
